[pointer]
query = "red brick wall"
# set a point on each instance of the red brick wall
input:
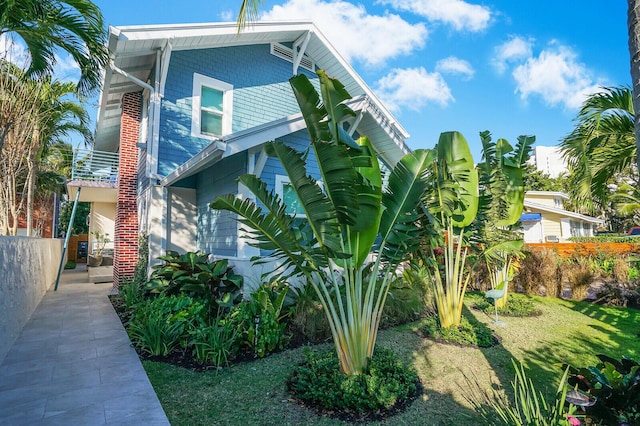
(126, 226)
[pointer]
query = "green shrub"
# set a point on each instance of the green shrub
(410, 297)
(261, 319)
(307, 315)
(132, 293)
(193, 274)
(470, 332)
(518, 305)
(161, 325)
(616, 388)
(386, 383)
(70, 265)
(215, 344)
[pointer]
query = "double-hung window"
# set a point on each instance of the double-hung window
(211, 109)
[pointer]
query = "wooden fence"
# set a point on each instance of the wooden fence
(587, 249)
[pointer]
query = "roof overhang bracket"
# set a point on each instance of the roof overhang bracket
(356, 122)
(166, 57)
(299, 47)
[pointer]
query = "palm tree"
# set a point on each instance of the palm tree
(249, 10)
(58, 117)
(633, 15)
(75, 26)
(601, 146)
(344, 218)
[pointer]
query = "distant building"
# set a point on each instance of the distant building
(548, 159)
(545, 220)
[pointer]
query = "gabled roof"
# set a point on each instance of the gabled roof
(135, 50)
(563, 212)
(548, 194)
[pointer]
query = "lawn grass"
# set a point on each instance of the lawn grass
(254, 393)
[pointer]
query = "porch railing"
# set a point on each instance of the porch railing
(95, 166)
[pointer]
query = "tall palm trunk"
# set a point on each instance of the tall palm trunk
(634, 52)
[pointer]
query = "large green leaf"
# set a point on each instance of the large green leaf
(406, 187)
(311, 107)
(333, 95)
(364, 231)
(456, 164)
(318, 209)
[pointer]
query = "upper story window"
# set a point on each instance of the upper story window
(212, 104)
(557, 202)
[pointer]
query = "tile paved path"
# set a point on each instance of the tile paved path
(73, 364)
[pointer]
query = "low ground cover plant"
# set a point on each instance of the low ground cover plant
(518, 305)
(470, 332)
(386, 383)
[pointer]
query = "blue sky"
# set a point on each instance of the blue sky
(511, 67)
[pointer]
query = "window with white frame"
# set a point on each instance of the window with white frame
(557, 202)
(285, 191)
(212, 104)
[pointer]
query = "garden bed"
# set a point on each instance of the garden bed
(255, 392)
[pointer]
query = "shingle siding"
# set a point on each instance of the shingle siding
(261, 94)
(217, 230)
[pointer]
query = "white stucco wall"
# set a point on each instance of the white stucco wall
(28, 268)
(103, 219)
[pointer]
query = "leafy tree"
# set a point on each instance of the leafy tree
(537, 180)
(501, 204)
(75, 26)
(18, 118)
(79, 223)
(601, 148)
(344, 218)
(57, 117)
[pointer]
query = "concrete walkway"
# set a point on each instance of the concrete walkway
(73, 364)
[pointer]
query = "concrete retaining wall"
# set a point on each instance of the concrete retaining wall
(28, 268)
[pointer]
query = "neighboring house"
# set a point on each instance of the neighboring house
(45, 217)
(548, 159)
(546, 220)
(185, 110)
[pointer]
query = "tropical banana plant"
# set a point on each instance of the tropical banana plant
(452, 200)
(501, 204)
(344, 218)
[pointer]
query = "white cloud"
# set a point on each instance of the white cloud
(461, 15)
(370, 39)
(556, 76)
(14, 51)
(65, 68)
(456, 66)
(227, 16)
(517, 48)
(413, 88)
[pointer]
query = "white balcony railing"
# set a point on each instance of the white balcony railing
(95, 166)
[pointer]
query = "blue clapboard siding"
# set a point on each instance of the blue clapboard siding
(261, 94)
(217, 230)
